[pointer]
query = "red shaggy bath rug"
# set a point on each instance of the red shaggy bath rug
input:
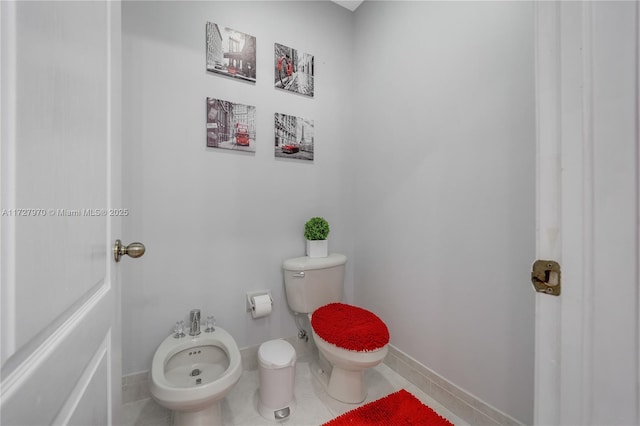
(399, 408)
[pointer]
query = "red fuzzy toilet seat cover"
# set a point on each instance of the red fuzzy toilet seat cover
(350, 327)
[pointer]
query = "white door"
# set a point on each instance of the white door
(587, 339)
(60, 169)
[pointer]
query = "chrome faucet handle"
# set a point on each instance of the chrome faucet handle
(194, 318)
(179, 330)
(211, 322)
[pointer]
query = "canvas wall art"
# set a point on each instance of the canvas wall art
(231, 53)
(294, 137)
(294, 71)
(231, 125)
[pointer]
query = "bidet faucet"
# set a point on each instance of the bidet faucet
(194, 319)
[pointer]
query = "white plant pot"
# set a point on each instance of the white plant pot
(317, 248)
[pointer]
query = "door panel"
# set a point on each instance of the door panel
(61, 130)
(84, 412)
(60, 170)
(47, 376)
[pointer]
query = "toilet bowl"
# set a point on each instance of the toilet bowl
(192, 374)
(349, 339)
(352, 340)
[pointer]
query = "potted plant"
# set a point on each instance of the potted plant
(316, 231)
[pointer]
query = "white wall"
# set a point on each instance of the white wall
(218, 223)
(444, 177)
(424, 165)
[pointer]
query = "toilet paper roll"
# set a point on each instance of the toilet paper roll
(261, 306)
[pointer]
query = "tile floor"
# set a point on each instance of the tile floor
(314, 406)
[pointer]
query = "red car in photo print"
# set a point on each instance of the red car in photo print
(242, 135)
(290, 149)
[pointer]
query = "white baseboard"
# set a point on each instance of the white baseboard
(135, 387)
(461, 403)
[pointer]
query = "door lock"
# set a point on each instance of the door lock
(545, 277)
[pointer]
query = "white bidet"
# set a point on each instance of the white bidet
(192, 374)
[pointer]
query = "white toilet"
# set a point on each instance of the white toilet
(350, 338)
(192, 374)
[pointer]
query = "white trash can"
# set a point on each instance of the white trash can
(277, 368)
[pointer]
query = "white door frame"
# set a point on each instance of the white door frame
(587, 198)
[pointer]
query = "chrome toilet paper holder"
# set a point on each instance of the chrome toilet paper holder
(250, 306)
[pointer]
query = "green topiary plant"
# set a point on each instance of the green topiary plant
(316, 228)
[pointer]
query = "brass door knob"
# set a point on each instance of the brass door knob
(132, 250)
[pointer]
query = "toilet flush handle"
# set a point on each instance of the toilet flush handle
(299, 274)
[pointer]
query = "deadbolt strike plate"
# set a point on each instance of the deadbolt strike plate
(545, 277)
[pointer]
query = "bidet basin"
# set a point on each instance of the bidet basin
(192, 374)
(197, 365)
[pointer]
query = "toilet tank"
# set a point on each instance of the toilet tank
(311, 282)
